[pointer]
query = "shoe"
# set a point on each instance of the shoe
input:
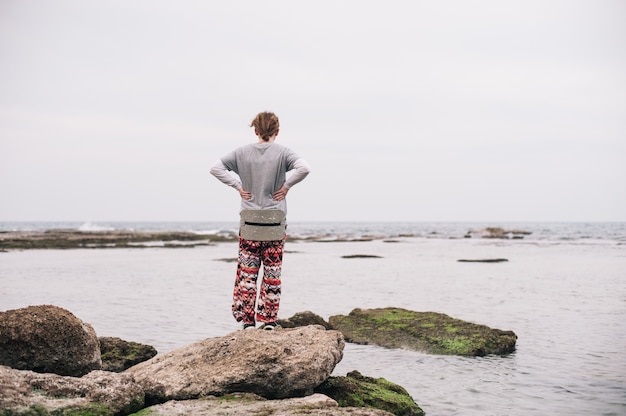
(269, 326)
(249, 326)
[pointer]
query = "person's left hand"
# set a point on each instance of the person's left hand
(245, 195)
(280, 194)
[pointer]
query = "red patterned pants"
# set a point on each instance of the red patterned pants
(253, 254)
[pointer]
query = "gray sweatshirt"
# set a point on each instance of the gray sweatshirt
(262, 169)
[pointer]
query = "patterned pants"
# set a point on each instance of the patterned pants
(251, 255)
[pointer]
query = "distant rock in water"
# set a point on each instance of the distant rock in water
(497, 232)
(119, 355)
(48, 339)
(68, 239)
(483, 260)
(357, 390)
(430, 332)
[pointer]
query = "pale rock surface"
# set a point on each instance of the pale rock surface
(48, 339)
(273, 364)
(253, 405)
(23, 389)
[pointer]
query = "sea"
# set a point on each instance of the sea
(562, 291)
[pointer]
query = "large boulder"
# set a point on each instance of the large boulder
(97, 393)
(357, 390)
(119, 355)
(430, 332)
(48, 339)
(252, 405)
(272, 364)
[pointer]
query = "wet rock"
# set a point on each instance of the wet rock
(430, 332)
(273, 364)
(303, 319)
(252, 405)
(102, 393)
(357, 390)
(482, 260)
(48, 339)
(119, 355)
(361, 256)
(497, 232)
(68, 239)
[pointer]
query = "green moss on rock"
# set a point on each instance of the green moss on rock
(119, 355)
(430, 332)
(356, 390)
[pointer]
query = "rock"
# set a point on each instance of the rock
(303, 319)
(48, 339)
(497, 232)
(357, 390)
(65, 239)
(482, 260)
(422, 331)
(248, 404)
(273, 364)
(119, 355)
(98, 393)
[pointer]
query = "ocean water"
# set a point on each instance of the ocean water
(563, 292)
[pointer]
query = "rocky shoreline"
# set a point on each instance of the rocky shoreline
(72, 239)
(52, 363)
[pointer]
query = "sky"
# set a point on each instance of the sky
(406, 110)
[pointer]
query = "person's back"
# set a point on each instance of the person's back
(262, 169)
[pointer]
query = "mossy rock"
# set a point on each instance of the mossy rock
(429, 332)
(119, 355)
(357, 390)
(303, 319)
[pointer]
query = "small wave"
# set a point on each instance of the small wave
(89, 226)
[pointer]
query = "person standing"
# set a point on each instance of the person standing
(261, 180)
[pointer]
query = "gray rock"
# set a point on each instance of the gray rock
(273, 364)
(48, 339)
(253, 405)
(99, 392)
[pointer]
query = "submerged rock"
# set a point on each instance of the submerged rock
(357, 390)
(430, 332)
(100, 393)
(252, 405)
(482, 260)
(273, 364)
(119, 355)
(48, 339)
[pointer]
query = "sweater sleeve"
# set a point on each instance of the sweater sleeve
(301, 170)
(221, 172)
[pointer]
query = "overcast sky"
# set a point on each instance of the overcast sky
(405, 110)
